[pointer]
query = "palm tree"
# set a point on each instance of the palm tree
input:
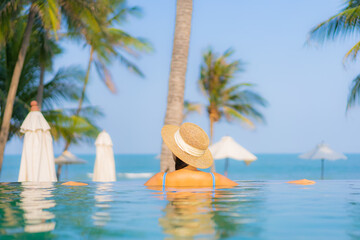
(226, 98)
(48, 49)
(64, 85)
(48, 12)
(175, 99)
(343, 24)
(108, 43)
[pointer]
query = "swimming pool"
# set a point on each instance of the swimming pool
(253, 210)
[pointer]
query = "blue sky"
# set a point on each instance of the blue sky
(306, 86)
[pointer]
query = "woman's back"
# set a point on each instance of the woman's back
(189, 177)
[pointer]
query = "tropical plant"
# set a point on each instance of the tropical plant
(64, 86)
(109, 43)
(226, 98)
(47, 13)
(48, 49)
(175, 99)
(344, 24)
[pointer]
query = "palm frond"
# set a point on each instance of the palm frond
(105, 75)
(70, 127)
(354, 94)
(9, 13)
(190, 107)
(342, 24)
(130, 65)
(352, 53)
(49, 12)
(232, 113)
(65, 85)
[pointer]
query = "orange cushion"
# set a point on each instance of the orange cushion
(302, 182)
(71, 183)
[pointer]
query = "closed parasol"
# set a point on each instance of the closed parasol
(104, 169)
(37, 158)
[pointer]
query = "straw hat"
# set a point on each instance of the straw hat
(189, 143)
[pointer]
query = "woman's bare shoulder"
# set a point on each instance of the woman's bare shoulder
(221, 180)
(155, 180)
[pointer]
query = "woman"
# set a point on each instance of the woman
(189, 145)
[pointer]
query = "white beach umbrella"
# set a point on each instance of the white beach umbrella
(322, 152)
(104, 169)
(37, 159)
(66, 158)
(227, 148)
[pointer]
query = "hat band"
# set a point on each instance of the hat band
(186, 147)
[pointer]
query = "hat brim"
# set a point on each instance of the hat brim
(204, 161)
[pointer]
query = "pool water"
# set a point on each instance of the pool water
(253, 210)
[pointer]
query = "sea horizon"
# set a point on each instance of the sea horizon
(267, 167)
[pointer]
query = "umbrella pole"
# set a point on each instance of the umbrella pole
(58, 171)
(322, 169)
(226, 167)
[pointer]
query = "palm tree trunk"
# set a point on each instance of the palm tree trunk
(67, 145)
(175, 99)
(81, 100)
(40, 92)
(211, 130)
(58, 172)
(211, 141)
(5, 126)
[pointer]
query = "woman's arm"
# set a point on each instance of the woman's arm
(155, 180)
(221, 180)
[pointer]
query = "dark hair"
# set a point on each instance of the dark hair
(179, 164)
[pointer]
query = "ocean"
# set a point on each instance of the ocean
(267, 167)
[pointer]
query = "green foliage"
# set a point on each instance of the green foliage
(95, 23)
(354, 95)
(73, 128)
(344, 24)
(9, 12)
(190, 107)
(64, 86)
(107, 41)
(226, 98)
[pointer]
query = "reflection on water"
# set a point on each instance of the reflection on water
(26, 208)
(10, 220)
(354, 212)
(188, 214)
(36, 202)
(273, 210)
(211, 213)
(103, 198)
